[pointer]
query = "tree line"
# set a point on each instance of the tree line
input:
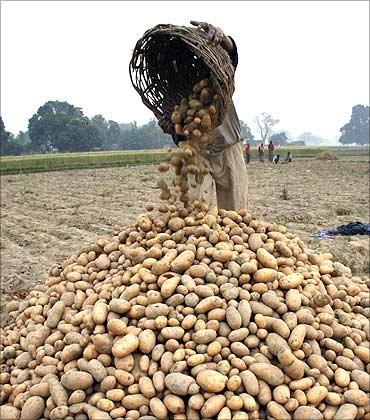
(61, 127)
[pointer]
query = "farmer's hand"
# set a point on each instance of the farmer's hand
(214, 35)
(166, 125)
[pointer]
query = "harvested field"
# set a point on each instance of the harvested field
(49, 216)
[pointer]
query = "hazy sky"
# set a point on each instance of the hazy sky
(306, 63)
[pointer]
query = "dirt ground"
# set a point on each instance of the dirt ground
(45, 217)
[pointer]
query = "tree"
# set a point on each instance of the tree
(80, 136)
(63, 127)
(246, 132)
(148, 136)
(113, 134)
(10, 145)
(101, 125)
(279, 139)
(264, 123)
(310, 139)
(357, 130)
(5, 138)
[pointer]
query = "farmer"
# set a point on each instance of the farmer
(226, 185)
(276, 159)
(261, 152)
(247, 153)
(288, 157)
(271, 148)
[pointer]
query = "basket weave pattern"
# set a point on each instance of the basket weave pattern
(169, 60)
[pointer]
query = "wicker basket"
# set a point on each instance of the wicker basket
(169, 60)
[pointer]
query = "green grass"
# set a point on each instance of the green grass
(90, 160)
(63, 161)
(343, 212)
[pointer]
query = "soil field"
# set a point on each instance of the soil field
(48, 216)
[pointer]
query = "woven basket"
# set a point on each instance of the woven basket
(169, 60)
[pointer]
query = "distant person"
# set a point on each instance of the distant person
(289, 157)
(271, 148)
(247, 153)
(276, 159)
(261, 152)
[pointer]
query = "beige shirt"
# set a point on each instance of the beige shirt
(227, 133)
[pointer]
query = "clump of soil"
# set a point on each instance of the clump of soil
(327, 156)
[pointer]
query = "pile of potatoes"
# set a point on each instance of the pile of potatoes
(190, 313)
(193, 119)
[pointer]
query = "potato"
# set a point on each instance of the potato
(179, 130)
(303, 413)
(207, 304)
(55, 314)
(57, 391)
(266, 259)
(346, 412)
(59, 413)
(245, 311)
(362, 379)
(204, 336)
(103, 262)
(195, 104)
(74, 380)
(197, 134)
(95, 414)
(255, 242)
(144, 222)
(357, 397)
(213, 406)
(182, 262)
(41, 390)
(277, 411)
(267, 372)
(134, 401)
(233, 318)
(32, 409)
(147, 341)
(180, 384)
(211, 381)
(164, 264)
(174, 404)
(250, 382)
(281, 394)
(9, 412)
(316, 394)
(97, 370)
(222, 255)
(70, 352)
(297, 337)
(265, 275)
(125, 346)
(342, 377)
(146, 387)
(158, 408)
(292, 281)
(206, 122)
(176, 117)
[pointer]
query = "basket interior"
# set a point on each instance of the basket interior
(169, 69)
(169, 60)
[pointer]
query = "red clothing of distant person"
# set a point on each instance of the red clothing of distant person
(248, 149)
(271, 147)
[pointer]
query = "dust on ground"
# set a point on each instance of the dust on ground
(46, 217)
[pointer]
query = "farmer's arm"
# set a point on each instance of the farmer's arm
(217, 37)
